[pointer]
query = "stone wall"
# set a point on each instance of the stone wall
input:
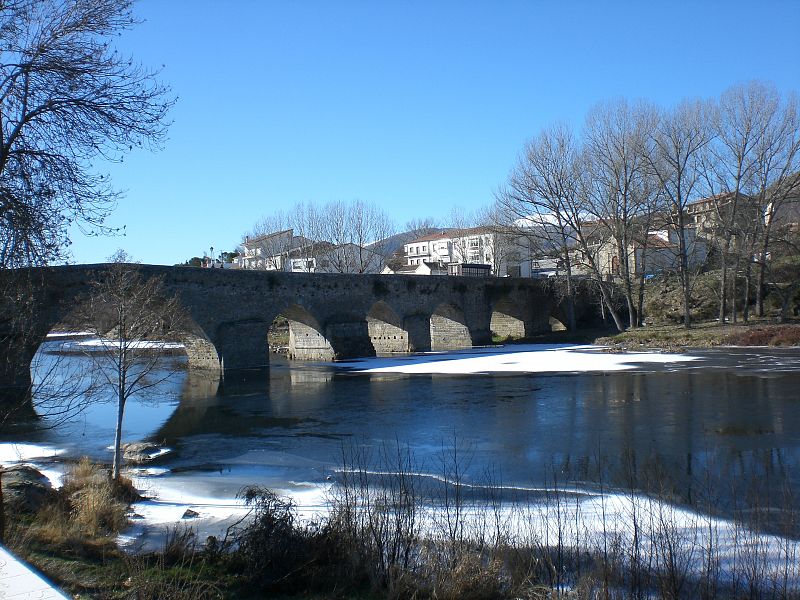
(330, 316)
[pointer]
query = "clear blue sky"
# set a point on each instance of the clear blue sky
(418, 106)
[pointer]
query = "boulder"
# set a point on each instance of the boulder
(140, 452)
(25, 489)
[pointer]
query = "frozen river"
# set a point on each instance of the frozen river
(706, 428)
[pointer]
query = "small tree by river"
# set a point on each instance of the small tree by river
(135, 321)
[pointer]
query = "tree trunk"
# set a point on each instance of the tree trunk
(735, 292)
(762, 276)
(603, 310)
(640, 303)
(614, 314)
(570, 293)
(684, 275)
(723, 287)
(747, 280)
(625, 273)
(118, 437)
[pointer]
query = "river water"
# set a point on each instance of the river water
(708, 431)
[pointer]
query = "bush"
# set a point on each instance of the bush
(276, 554)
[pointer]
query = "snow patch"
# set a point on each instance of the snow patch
(136, 345)
(524, 358)
(11, 453)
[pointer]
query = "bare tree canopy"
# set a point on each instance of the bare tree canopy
(67, 97)
(339, 237)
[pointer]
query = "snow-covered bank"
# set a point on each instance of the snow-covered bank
(523, 358)
(630, 526)
(12, 453)
(175, 501)
(41, 457)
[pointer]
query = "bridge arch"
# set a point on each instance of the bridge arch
(385, 329)
(307, 339)
(508, 319)
(449, 330)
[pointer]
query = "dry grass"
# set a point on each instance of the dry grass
(773, 335)
(704, 335)
(95, 510)
(158, 580)
(472, 578)
(88, 512)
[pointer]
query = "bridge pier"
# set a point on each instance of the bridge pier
(242, 345)
(15, 382)
(419, 332)
(449, 330)
(306, 343)
(350, 339)
(201, 353)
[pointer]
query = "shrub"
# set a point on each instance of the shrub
(776, 335)
(157, 580)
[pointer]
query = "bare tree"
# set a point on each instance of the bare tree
(619, 188)
(66, 97)
(777, 178)
(481, 236)
(459, 223)
(357, 232)
(730, 168)
(681, 135)
(267, 245)
(540, 201)
(423, 226)
(134, 321)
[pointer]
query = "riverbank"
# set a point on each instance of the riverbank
(389, 531)
(702, 335)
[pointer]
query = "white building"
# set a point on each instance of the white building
(507, 255)
(436, 248)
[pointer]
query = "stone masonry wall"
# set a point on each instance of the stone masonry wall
(351, 315)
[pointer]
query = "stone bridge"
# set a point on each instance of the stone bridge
(330, 316)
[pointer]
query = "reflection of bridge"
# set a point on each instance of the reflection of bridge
(330, 316)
